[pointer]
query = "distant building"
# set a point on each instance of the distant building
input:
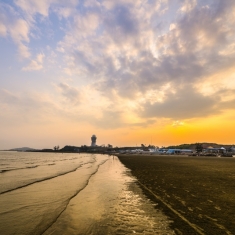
(179, 151)
(214, 150)
(93, 141)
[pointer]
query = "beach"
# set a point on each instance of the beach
(196, 193)
(74, 194)
(62, 193)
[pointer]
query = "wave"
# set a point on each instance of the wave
(13, 210)
(43, 179)
(3, 171)
(74, 195)
(31, 166)
(13, 169)
(38, 181)
(16, 169)
(57, 160)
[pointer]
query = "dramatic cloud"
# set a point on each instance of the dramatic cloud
(120, 64)
(129, 54)
(184, 104)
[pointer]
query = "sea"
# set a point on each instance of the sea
(73, 193)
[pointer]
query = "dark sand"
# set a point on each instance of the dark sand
(196, 193)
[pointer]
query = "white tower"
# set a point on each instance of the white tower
(93, 141)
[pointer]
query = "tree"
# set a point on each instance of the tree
(84, 148)
(151, 146)
(198, 148)
(56, 148)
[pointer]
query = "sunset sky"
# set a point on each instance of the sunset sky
(132, 72)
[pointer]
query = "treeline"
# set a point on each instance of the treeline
(182, 146)
(193, 146)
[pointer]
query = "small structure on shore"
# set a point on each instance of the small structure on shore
(93, 140)
(210, 149)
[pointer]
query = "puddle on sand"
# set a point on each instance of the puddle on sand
(112, 203)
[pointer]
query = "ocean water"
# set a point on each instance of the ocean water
(58, 193)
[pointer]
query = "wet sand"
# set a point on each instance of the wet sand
(196, 193)
(112, 203)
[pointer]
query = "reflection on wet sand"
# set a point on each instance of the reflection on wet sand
(112, 203)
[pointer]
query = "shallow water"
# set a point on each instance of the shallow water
(73, 194)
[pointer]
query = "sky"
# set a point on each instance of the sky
(131, 72)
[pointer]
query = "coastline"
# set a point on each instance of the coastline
(111, 203)
(196, 193)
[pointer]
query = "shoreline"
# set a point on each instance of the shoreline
(110, 203)
(196, 193)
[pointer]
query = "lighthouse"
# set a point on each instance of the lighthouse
(93, 141)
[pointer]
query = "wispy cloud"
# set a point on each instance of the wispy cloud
(177, 123)
(71, 94)
(27, 107)
(17, 28)
(36, 64)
